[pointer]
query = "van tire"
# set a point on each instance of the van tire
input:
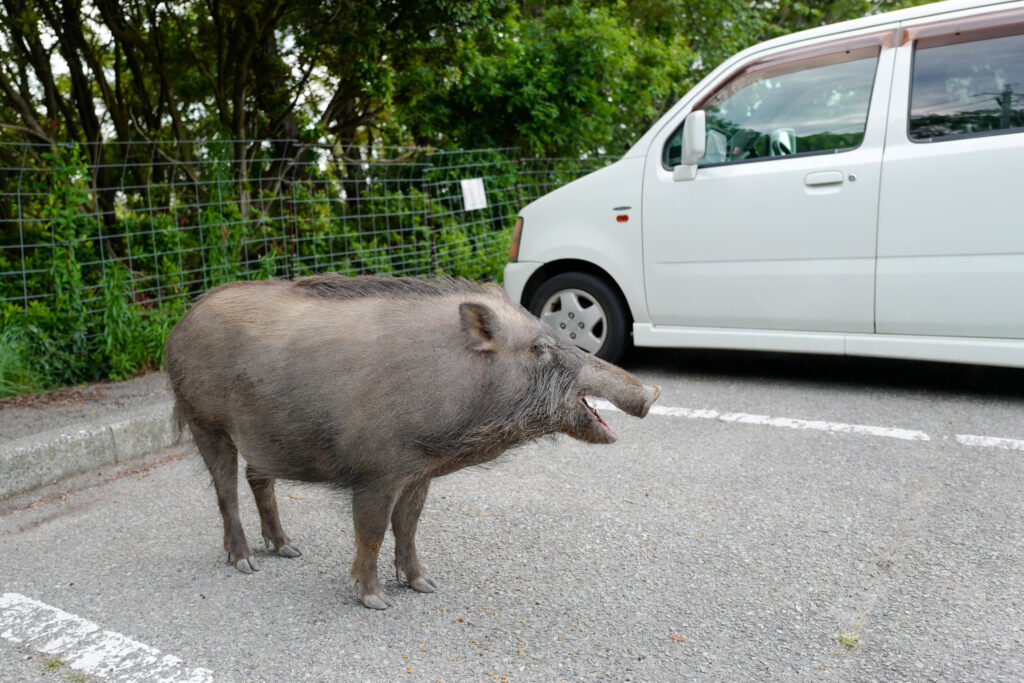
(603, 331)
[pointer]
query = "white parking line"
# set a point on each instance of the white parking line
(787, 422)
(83, 647)
(990, 442)
(820, 425)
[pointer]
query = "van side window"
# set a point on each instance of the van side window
(811, 106)
(966, 86)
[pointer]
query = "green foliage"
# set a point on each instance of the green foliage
(255, 70)
(132, 336)
(17, 372)
(66, 213)
(576, 79)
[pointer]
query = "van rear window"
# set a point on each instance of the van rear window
(966, 86)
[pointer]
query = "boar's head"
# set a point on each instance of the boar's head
(536, 383)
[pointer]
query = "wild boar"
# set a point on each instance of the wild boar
(376, 385)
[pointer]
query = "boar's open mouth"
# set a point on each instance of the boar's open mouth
(606, 432)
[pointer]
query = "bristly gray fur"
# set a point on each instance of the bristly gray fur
(334, 286)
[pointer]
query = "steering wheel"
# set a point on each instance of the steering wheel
(744, 144)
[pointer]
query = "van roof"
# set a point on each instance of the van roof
(892, 17)
(896, 16)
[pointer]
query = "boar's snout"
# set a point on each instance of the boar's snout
(626, 392)
(635, 401)
(651, 395)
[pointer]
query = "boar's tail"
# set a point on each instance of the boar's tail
(179, 422)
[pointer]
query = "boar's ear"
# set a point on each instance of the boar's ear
(480, 326)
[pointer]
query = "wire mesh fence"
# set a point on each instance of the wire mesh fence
(176, 219)
(102, 247)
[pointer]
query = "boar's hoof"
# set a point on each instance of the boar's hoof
(247, 565)
(285, 550)
(288, 551)
(375, 601)
(423, 584)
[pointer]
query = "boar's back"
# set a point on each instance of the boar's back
(331, 286)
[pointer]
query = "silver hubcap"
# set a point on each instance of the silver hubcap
(576, 317)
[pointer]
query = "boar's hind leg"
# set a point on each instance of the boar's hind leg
(370, 508)
(270, 522)
(221, 458)
(403, 522)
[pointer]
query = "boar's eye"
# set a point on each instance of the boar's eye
(541, 350)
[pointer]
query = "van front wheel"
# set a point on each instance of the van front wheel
(584, 311)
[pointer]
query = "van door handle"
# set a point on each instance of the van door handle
(823, 178)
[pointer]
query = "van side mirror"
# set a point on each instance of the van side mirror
(694, 141)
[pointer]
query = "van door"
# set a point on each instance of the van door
(951, 227)
(777, 230)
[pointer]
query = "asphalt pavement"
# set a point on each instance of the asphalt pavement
(786, 518)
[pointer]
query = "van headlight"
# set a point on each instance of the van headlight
(513, 248)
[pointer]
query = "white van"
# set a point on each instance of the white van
(851, 189)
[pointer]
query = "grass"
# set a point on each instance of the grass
(850, 640)
(53, 664)
(17, 374)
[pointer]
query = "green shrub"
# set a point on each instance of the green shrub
(18, 374)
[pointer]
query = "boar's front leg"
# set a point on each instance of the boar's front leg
(371, 505)
(403, 523)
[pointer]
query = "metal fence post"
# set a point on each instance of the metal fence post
(431, 222)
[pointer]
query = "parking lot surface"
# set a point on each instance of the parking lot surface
(777, 518)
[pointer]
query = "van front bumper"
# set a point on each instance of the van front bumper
(516, 276)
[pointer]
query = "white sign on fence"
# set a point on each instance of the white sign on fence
(473, 195)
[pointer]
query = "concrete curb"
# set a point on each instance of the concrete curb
(33, 461)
